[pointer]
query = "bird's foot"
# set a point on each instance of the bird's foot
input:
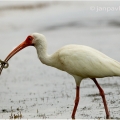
(108, 117)
(73, 117)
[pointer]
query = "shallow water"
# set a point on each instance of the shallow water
(39, 91)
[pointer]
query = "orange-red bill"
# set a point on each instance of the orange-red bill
(16, 50)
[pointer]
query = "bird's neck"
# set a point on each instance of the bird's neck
(42, 54)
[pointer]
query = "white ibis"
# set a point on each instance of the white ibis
(77, 60)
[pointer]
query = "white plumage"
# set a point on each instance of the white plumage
(78, 60)
(86, 62)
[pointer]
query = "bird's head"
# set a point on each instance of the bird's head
(31, 40)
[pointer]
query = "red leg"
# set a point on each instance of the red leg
(76, 102)
(103, 98)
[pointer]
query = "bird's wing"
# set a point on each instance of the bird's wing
(87, 62)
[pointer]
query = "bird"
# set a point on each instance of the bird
(77, 60)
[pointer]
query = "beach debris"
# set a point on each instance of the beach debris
(4, 64)
(16, 116)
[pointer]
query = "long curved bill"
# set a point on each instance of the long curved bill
(16, 50)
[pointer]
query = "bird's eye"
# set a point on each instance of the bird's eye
(30, 38)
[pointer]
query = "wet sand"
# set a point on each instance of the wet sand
(33, 90)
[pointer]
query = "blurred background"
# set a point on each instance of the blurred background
(40, 91)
